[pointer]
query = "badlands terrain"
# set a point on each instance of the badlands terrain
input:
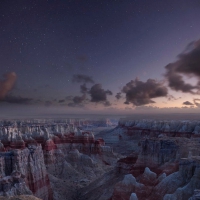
(104, 159)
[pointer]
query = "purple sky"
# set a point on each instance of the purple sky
(62, 57)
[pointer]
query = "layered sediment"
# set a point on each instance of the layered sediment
(139, 159)
(38, 153)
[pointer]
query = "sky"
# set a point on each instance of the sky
(99, 57)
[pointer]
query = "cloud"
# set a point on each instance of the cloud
(75, 105)
(7, 84)
(176, 82)
(68, 98)
(79, 99)
(80, 78)
(83, 88)
(188, 103)
(118, 96)
(141, 93)
(188, 64)
(61, 101)
(98, 94)
(17, 99)
(48, 103)
(196, 102)
(172, 98)
(107, 103)
(38, 101)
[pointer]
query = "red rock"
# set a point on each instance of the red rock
(49, 145)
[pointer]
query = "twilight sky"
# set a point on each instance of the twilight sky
(110, 57)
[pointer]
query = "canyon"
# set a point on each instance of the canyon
(70, 159)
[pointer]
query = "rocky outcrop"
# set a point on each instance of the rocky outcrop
(179, 185)
(13, 185)
(148, 178)
(173, 128)
(126, 187)
(62, 149)
(158, 166)
(24, 172)
(190, 171)
(133, 197)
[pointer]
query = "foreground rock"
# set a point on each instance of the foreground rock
(50, 162)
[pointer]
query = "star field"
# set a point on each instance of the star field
(119, 45)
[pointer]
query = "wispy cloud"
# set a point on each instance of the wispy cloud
(7, 84)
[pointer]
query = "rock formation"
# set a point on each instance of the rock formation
(41, 153)
(138, 159)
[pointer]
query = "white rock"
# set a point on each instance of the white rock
(149, 174)
(133, 197)
(129, 179)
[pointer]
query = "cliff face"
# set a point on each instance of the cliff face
(154, 128)
(160, 155)
(43, 154)
(170, 150)
(156, 152)
(25, 173)
(183, 184)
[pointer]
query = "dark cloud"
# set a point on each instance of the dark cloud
(38, 101)
(107, 103)
(7, 84)
(68, 98)
(79, 99)
(188, 64)
(48, 103)
(176, 82)
(197, 102)
(80, 78)
(141, 93)
(188, 103)
(83, 88)
(172, 98)
(17, 99)
(75, 105)
(118, 95)
(61, 101)
(98, 94)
